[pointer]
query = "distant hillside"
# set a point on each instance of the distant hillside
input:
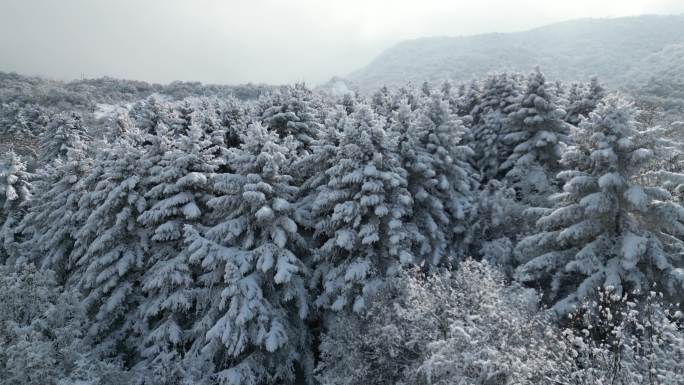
(84, 95)
(619, 51)
(659, 78)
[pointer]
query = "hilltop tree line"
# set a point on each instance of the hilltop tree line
(408, 237)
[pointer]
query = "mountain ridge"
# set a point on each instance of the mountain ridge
(568, 50)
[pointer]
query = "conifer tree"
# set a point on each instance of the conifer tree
(582, 100)
(111, 247)
(178, 193)
(252, 270)
(426, 89)
(149, 113)
(493, 235)
(18, 119)
(234, 117)
(499, 95)
(439, 177)
(537, 135)
(382, 102)
(359, 215)
(64, 132)
(467, 102)
(292, 113)
(446, 89)
(573, 97)
(208, 122)
(185, 114)
(309, 170)
(51, 223)
(122, 126)
(408, 93)
(15, 194)
(606, 228)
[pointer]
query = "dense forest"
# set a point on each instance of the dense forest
(507, 230)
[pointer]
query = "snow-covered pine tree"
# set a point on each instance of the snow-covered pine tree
(255, 300)
(292, 112)
(426, 89)
(381, 102)
(178, 190)
(537, 134)
(606, 228)
(493, 235)
(209, 119)
(234, 113)
(348, 101)
(15, 195)
(22, 120)
(11, 121)
(559, 89)
(572, 99)
(50, 225)
(407, 93)
(120, 127)
(64, 132)
(111, 247)
(596, 92)
(359, 215)
(467, 102)
(147, 114)
(439, 177)
(582, 100)
(446, 88)
(499, 94)
(309, 170)
(438, 108)
(184, 116)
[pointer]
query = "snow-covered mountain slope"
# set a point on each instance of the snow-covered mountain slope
(617, 50)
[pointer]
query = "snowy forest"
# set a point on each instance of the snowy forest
(512, 229)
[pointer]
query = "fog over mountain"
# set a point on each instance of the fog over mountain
(621, 51)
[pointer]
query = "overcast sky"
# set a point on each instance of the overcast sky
(271, 41)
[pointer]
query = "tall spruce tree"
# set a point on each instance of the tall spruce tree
(439, 178)
(381, 102)
(252, 271)
(177, 194)
(606, 229)
(147, 114)
(292, 112)
(582, 100)
(500, 94)
(309, 170)
(51, 223)
(28, 119)
(64, 132)
(15, 194)
(359, 215)
(111, 248)
(537, 135)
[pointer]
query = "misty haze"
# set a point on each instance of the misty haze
(347, 192)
